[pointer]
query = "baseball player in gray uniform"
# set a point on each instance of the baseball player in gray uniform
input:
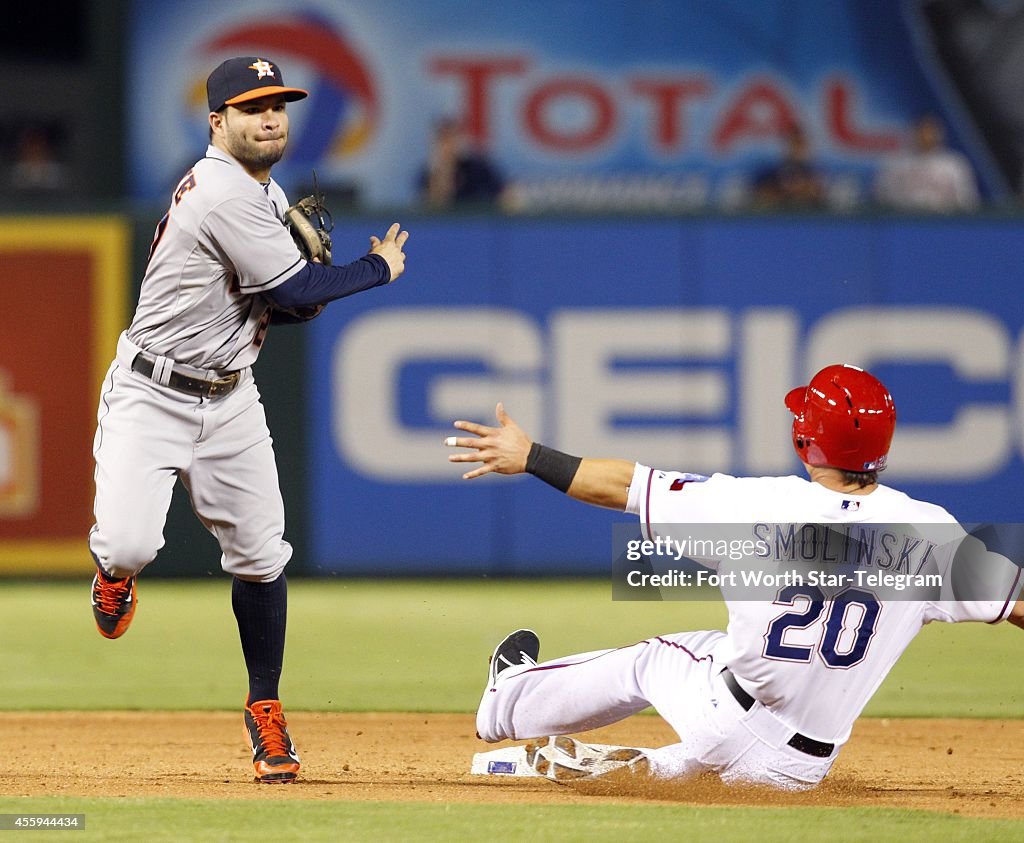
(179, 400)
(772, 699)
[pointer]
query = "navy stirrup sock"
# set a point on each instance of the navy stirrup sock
(261, 609)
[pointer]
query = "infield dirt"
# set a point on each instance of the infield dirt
(968, 767)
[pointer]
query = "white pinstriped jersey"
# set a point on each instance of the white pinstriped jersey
(221, 244)
(813, 660)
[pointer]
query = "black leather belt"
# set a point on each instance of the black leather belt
(802, 743)
(183, 383)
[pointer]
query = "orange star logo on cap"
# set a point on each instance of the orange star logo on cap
(262, 68)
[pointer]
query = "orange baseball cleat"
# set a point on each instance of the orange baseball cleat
(273, 754)
(113, 604)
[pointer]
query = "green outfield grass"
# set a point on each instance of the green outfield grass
(158, 820)
(408, 646)
(423, 646)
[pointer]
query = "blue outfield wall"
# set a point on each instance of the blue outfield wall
(667, 341)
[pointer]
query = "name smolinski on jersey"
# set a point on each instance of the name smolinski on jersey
(882, 547)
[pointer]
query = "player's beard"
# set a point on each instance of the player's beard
(256, 155)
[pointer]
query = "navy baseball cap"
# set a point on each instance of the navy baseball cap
(247, 78)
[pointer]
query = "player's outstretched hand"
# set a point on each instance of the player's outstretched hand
(390, 248)
(501, 449)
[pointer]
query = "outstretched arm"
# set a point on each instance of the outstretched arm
(507, 449)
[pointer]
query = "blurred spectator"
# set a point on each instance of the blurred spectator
(977, 46)
(35, 168)
(928, 177)
(457, 175)
(793, 182)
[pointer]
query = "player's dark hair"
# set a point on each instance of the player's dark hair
(861, 478)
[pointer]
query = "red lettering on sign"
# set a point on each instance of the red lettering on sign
(477, 75)
(599, 104)
(760, 111)
(839, 105)
(668, 99)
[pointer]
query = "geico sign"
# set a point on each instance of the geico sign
(578, 384)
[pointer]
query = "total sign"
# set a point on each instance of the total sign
(692, 389)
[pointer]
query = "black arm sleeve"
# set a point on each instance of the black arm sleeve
(318, 284)
(553, 467)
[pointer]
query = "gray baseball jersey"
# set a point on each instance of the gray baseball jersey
(221, 244)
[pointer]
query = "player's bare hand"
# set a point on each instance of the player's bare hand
(502, 449)
(390, 248)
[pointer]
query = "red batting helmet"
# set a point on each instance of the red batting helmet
(844, 418)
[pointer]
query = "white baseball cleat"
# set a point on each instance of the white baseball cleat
(563, 759)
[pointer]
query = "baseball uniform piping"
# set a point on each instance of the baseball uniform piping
(298, 260)
(693, 656)
(1009, 599)
(104, 394)
(583, 661)
(647, 504)
(660, 640)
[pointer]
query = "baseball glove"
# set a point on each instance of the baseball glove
(310, 225)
